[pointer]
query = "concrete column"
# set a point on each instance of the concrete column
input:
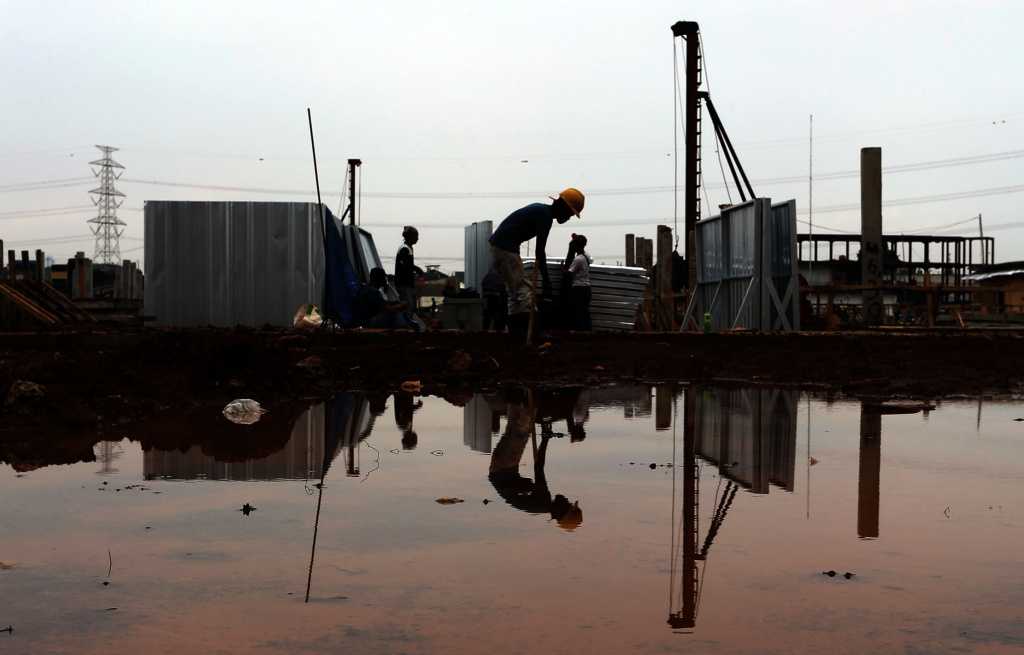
(663, 283)
(871, 232)
(40, 266)
(869, 478)
(630, 250)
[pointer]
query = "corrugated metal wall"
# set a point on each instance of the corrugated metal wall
(231, 263)
(746, 267)
(616, 291)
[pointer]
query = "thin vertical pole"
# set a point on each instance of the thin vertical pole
(675, 141)
(810, 194)
(316, 176)
(316, 527)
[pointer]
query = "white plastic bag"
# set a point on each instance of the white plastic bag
(244, 411)
(307, 317)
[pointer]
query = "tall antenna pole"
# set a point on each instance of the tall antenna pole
(106, 226)
(810, 197)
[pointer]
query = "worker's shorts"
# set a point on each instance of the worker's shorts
(510, 267)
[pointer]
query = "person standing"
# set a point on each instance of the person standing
(495, 301)
(406, 270)
(580, 292)
(531, 221)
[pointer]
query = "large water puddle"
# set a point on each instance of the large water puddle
(607, 520)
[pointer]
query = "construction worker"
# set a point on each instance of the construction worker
(406, 270)
(531, 221)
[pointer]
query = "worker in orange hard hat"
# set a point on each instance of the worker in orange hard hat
(520, 226)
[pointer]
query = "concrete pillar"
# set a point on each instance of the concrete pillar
(630, 250)
(871, 232)
(40, 273)
(81, 278)
(869, 478)
(665, 302)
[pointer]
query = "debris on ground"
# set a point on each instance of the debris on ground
(653, 465)
(311, 362)
(22, 390)
(8, 630)
(243, 411)
(812, 461)
(848, 575)
(247, 509)
(486, 501)
(449, 501)
(946, 511)
(6, 567)
(307, 317)
(829, 573)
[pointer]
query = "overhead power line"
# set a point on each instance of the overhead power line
(622, 191)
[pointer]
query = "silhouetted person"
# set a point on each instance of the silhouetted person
(531, 496)
(405, 407)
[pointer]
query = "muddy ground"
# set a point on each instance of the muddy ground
(101, 379)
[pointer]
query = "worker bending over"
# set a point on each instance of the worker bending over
(531, 221)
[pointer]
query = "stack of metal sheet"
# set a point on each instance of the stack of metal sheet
(616, 291)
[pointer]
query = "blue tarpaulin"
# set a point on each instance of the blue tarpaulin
(341, 282)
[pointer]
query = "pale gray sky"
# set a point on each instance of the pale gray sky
(449, 97)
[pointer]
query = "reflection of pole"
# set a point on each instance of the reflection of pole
(662, 407)
(316, 527)
(868, 482)
(808, 456)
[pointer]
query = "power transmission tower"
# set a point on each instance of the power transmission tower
(107, 227)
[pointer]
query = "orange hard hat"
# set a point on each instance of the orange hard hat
(573, 198)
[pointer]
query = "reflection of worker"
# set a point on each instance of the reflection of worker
(531, 496)
(520, 226)
(405, 407)
(406, 270)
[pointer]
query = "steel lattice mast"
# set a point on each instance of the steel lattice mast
(106, 226)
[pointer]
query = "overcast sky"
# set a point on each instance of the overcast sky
(451, 97)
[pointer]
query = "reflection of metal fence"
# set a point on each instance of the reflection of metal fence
(750, 434)
(746, 268)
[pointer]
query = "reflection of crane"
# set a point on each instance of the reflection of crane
(683, 574)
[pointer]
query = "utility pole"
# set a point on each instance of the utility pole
(106, 226)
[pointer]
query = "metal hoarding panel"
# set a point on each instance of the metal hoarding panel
(232, 263)
(477, 252)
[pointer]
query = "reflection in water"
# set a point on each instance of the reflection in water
(743, 441)
(316, 438)
(526, 408)
(750, 436)
(868, 481)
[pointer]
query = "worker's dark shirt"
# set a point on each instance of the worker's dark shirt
(522, 225)
(405, 268)
(369, 302)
